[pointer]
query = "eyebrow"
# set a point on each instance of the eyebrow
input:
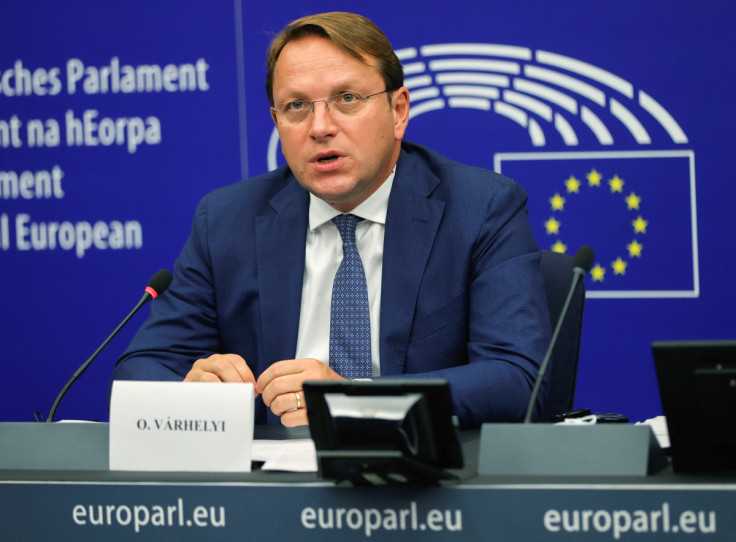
(350, 83)
(302, 96)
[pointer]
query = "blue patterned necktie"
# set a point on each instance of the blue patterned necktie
(350, 323)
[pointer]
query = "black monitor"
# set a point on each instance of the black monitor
(697, 385)
(383, 432)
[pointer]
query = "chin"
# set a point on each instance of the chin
(333, 199)
(334, 194)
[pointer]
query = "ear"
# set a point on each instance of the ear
(400, 107)
(273, 117)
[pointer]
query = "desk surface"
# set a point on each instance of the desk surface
(81, 503)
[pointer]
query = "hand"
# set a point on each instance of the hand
(282, 381)
(220, 368)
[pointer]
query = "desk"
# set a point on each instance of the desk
(78, 500)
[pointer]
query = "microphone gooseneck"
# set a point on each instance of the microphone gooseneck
(581, 264)
(156, 286)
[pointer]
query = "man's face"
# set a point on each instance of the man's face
(340, 160)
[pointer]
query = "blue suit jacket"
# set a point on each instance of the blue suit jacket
(462, 294)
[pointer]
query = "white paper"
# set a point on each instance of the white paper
(293, 455)
(659, 428)
(178, 426)
(369, 406)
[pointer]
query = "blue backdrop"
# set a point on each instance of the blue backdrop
(617, 117)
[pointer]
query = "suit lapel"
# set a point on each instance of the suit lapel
(412, 221)
(280, 238)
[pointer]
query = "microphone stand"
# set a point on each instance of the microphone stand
(156, 286)
(579, 273)
(146, 297)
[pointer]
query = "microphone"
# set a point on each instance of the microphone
(156, 286)
(581, 264)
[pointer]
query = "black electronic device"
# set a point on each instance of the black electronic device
(697, 386)
(383, 432)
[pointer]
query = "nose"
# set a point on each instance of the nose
(322, 122)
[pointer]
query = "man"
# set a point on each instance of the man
(444, 262)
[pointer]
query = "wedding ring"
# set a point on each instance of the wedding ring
(298, 400)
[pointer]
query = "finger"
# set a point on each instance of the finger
(240, 365)
(303, 369)
(277, 370)
(220, 368)
(288, 402)
(197, 374)
(282, 385)
(297, 417)
(236, 363)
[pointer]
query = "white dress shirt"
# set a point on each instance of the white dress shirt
(322, 258)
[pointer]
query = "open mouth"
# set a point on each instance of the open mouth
(327, 159)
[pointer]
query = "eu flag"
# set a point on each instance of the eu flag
(636, 209)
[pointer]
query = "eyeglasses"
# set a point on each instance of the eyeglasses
(343, 105)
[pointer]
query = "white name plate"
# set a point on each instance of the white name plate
(178, 426)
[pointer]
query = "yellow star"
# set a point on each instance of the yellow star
(557, 202)
(640, 225)
(553, 226)
(559, 246)
(598, 273)
(633, 201)
(635, 249)
(594, 178)
(619, 266)
(573, 185)
(616, 184)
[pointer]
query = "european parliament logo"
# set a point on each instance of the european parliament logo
(636, 208)
(551, 96)
(609, 189)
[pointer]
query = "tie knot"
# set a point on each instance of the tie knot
(346, 225)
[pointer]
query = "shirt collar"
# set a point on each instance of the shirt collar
(373, 209)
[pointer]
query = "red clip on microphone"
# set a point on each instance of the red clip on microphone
(158, 283)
